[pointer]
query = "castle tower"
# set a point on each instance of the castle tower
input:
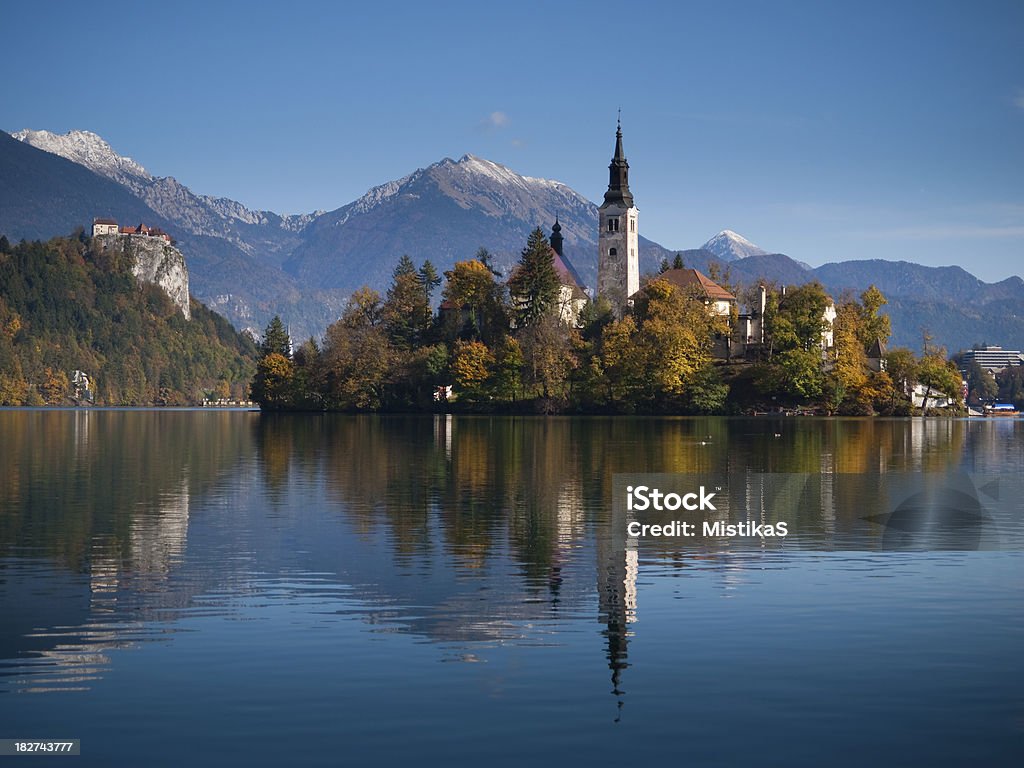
(618, 264)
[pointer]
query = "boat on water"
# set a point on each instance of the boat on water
(1001, 409)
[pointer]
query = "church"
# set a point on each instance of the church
(618, 263)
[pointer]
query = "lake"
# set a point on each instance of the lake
(225, 587)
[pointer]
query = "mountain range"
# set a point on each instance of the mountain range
(250, 265)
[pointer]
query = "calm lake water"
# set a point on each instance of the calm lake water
(217, 588)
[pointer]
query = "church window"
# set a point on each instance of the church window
(632, 225)
(613, 225)
(613, 252)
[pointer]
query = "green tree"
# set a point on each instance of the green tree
(276, 339)
(406, 309)
(796, 321)
(1011, 385)
(938, 376)
(429, 280)
(534, 284)
(707, 392)
(307, 383)
(902, 367)
(505, 380)
(981, 384)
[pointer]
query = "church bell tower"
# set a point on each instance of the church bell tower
(618, 264)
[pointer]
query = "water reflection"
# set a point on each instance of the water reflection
(467, 532)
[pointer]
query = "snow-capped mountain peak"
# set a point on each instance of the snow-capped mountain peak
(729, 246)
(198, 214)
(88, 149)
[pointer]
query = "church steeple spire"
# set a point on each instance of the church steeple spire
(618, 174)
(618, 243)
(556, 237)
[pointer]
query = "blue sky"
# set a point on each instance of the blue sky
(823, 130)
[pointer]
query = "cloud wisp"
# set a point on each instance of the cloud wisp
(495, 121)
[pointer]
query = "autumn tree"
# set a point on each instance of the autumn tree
(847, 358)
(475, 302)
(471, 367)
(873, 326)
(272, 385)
(485, 258)
(547, 359)
(675, 334)
(357, 355)
(54, 386)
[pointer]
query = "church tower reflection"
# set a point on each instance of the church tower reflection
(618, 566)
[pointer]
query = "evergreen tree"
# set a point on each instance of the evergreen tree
(534, 284)
(428, 279)
(406, 307)
(677, 262)
(404, 266)
(484, 257)
(276, 339)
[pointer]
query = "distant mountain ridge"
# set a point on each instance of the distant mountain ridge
(253, 264)
(444, 213)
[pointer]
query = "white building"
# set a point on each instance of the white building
(993, 359)
(104, 227)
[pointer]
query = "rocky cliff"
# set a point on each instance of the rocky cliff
(154, 260)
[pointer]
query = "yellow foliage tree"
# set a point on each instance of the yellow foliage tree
(54, 387)
(471, 365)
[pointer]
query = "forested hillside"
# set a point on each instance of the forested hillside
(67, 307)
